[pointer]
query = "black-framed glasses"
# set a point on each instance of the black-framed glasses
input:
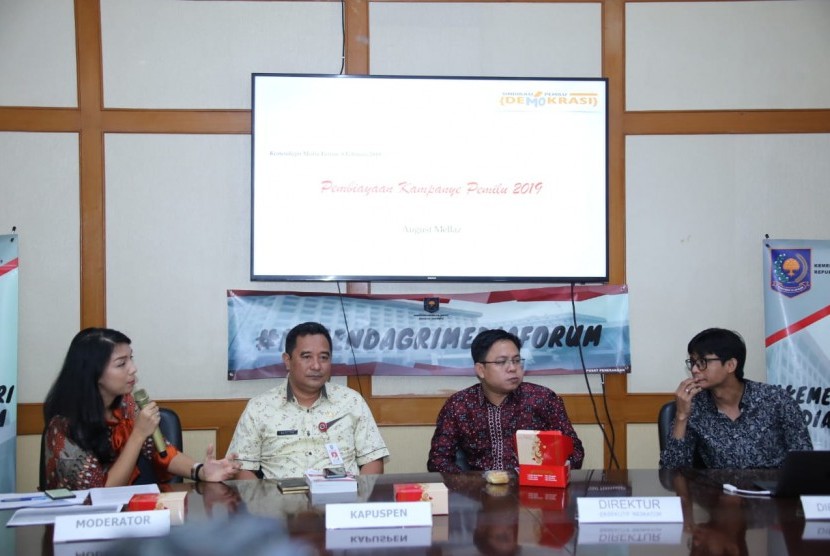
(701, 363)
(504, 363)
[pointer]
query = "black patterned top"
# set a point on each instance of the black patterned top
(769, 426)
(487, 433)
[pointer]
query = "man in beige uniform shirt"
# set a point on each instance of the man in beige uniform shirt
(307, 422)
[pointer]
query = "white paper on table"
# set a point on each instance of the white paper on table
(14, 500)
(46, 515)
(119, 495)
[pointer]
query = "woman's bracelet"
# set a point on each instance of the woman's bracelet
(194, 471)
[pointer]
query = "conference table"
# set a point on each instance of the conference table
(253, 517)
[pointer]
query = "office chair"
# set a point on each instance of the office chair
(664, 419)
(41, 485)
(170, 426)
(461, 460)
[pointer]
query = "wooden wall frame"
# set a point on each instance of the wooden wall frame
(92, 121)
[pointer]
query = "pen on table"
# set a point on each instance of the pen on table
(24, 499)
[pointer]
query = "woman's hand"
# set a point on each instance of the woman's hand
(128, 449)
(219, 469)
(218, 494)
(147, 420)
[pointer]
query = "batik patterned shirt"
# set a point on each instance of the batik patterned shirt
(69, 466)
(769, 426)
(284, 439)
(486, 433)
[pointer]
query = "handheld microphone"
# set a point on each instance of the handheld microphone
(142, 399)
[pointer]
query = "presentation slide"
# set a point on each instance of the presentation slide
(428, 178)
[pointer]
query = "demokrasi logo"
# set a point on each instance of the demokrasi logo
(790, 272)
(539, 99)
(431, 304)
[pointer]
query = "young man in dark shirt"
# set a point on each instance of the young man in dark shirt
(726, 421)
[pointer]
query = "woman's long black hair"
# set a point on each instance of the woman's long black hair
(75, 395)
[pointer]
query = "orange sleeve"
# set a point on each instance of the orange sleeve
(160, 464)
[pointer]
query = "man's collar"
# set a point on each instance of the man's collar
(512, 397)
(289, 394)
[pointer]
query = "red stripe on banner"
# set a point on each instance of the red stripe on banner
(796, 326)
(8, 267)
(554, 293)
(557, 293)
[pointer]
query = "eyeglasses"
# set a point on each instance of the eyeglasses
(504, 363)
(701, 364)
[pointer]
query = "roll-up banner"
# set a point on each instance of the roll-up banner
(560, 328)
(797, 331)
(8, 362)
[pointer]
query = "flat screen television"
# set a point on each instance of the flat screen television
(410, 178)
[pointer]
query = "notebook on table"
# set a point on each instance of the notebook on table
(803, 472)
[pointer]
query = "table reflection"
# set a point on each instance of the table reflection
(488, 519)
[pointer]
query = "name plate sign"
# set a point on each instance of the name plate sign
(816, 507)
(816, 531)
(82, 548)
(630, 533)
(632, 509)
(378, 514)
(113, 525)
(385, 537)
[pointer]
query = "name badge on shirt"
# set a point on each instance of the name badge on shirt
(286, 433)
(334, 454)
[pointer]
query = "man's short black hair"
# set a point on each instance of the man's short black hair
(305, 329)
(485, 340)
(722, 343)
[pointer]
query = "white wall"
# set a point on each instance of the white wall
(177, 205)
(698, 206)
(727, 55)
(697, 210)
(39, 189)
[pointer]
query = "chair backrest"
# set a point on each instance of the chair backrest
(41, 485)
(170, 426)
(664, 419)
(461, 460)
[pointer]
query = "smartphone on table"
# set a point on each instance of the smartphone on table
(59, 493)
(334, 472)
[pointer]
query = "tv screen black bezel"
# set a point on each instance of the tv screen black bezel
(288, 277)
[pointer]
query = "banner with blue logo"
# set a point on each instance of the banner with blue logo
(8, 362)
(797, 331)
(560, 327)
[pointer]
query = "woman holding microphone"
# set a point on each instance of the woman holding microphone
(96, 432)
